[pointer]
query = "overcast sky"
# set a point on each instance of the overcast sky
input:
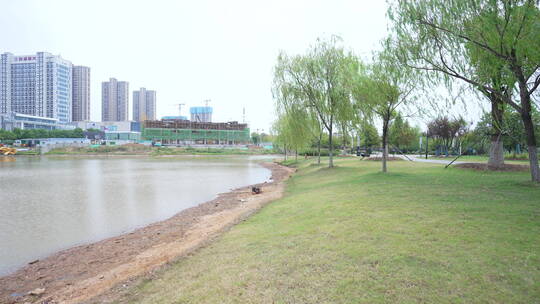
(188, 51)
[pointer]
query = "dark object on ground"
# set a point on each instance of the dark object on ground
(256, 190)
(485, 167)
(363, 152)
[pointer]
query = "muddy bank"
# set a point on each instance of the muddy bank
(83, 272)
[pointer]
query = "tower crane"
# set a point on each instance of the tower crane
(179, 105)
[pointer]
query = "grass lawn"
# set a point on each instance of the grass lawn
(419, 234)
(481, 159)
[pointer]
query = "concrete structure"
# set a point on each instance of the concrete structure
(12, 120)
(201, 114)
(36, 85)
(185, 132)
(144, 105)
(114, 100)
(81, 93)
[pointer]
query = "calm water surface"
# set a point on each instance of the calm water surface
(50, 204)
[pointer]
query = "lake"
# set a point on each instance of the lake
(48, 204)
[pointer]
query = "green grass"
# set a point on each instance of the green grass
(482, 158)
(419, 234)
(28, 152)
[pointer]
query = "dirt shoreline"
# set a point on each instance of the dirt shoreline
(81, 273)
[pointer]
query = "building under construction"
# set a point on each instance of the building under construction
(185, 132)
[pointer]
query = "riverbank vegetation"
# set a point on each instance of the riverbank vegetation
(483, 52)
(8, 136)
(138, 149)
(420, 233)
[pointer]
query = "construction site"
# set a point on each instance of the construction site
(185, 132)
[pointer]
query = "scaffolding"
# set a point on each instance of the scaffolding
(184, 132)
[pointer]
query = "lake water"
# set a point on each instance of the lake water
(49, 204)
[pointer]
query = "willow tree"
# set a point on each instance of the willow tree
(294, 95)
(492, 45)
(383, 89)
(296, 125)
(332, 71)
(320, 81)
(281, 134)
(291, 133)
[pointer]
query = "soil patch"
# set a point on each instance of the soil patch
(485, 167)
(81, 273)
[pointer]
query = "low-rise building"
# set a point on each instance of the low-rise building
(123, 135)
(47, 144)
(126, 126)
(13, 120)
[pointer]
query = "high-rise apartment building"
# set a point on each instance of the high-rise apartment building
(38, 85)
(81, 93)
(144, 105)
(114, 100)
(201, 114)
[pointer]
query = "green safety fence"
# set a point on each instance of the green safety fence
(195, 134)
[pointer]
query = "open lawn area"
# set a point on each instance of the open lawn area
(419, 234)
(481, 159)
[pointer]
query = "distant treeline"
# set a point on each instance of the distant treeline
(40, 133)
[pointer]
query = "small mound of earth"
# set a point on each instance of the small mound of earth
(379, 158)
(485, 167)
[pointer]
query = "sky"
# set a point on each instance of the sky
(189, 51)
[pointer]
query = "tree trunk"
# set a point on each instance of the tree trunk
(525, 100)
(427, 145)
(331, 151)
(496, 153)
(352, 143)
(385, 145)
(496, 150)
(296, 155)
(531, 143)
(319, 150)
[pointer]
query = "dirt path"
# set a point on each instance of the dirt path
(81, 273)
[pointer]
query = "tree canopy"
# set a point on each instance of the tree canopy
(489, 44)
(317, 86)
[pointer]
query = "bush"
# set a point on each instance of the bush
(314, 152)
(514, 156)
